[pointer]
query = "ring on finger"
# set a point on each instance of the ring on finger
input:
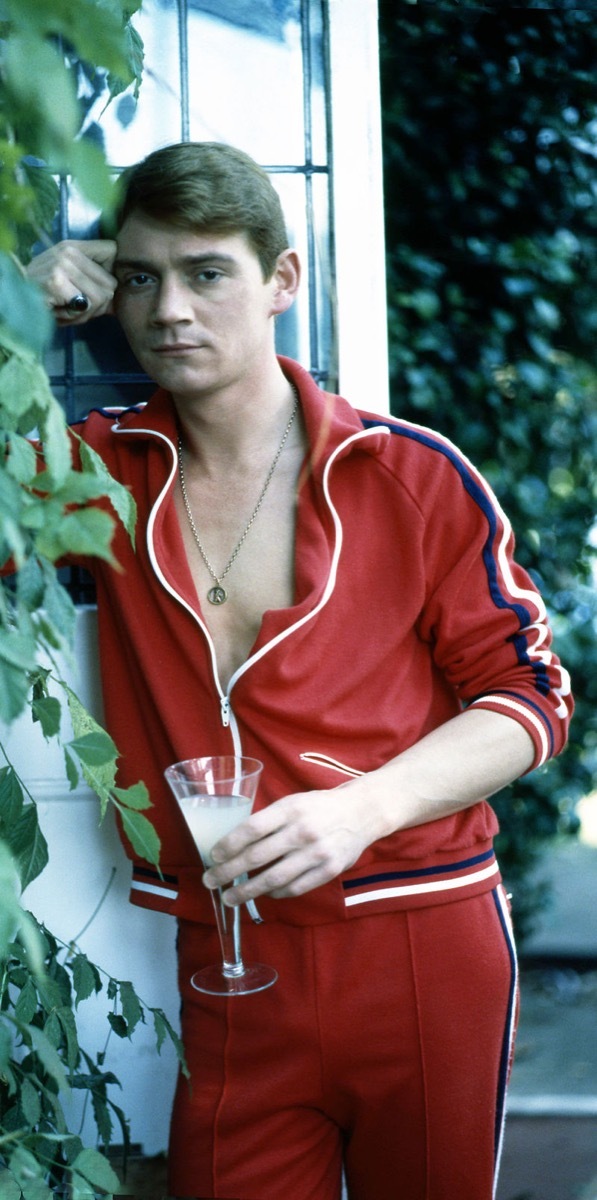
(78, 303)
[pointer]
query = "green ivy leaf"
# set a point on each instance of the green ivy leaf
(30, 584)
(21, 461)
(136, 796)
(24, 1166)
(30, 1102)
(103, 1120)
(141, 835)
(28, 845)
(18, 649)
(123, 1123)
(45, 199)
(26, 1003)
(5, 1045)
(53, 1031)
(11, 796)
(69, 1028)
(13, 539)
(118, 1024)
(56, 442)
(88, 165)
(94, 29)
(14, 688)
(71, 1147)
(51, 990)
(86, 978)
(9, 1188)
(95, 1169)
(38, 81)
(47, 711)
(22, 308)
(101, 778)
(119, 496)
(72, 769)
(36, 1189)
(49, 1057)
(94, 749)
(132, 1010)
(164, 1029)
(87, 531)
(58, 606)
(24, 387)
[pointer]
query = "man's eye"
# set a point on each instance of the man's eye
(134, 282)
(209, 275)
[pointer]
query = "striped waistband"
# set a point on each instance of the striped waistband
(381, 888)
(149, 884)
(421, 881)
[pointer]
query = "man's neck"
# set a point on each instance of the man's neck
(237, 424)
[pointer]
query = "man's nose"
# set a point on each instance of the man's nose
(172, 303)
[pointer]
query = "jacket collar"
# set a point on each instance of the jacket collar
(332, 423)
(157, 416)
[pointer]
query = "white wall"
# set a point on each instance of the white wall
(127, 942)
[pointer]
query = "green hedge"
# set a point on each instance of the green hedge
(490, 159)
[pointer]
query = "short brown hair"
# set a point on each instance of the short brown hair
(208, 185)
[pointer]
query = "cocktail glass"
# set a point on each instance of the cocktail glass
(215, 795)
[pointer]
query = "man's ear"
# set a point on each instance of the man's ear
(286, 279)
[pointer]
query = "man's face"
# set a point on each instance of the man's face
(193, 305)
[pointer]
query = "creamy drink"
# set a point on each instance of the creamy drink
(215, 794)
(210, 818)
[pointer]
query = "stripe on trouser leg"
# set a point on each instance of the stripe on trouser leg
(503, 912)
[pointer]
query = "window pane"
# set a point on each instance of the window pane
(129, 130)
(246, 83)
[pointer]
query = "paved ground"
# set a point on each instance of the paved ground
(550, 1150)
(549, 1158)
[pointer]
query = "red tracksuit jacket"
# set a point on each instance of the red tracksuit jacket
(408, 607)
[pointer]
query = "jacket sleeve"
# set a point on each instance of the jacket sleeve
(483, 615)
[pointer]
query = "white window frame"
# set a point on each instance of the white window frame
(358, 203)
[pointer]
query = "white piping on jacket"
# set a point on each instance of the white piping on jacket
(227, 711)
(325, 760)
(227, 715)
(512, 1016)
(530, 599)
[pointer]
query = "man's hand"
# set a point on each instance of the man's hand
(300, 842)
(72, 268)
(308, 838)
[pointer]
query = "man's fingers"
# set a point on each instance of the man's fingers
(251, 857)
(292, 876)
(253, 831)
(101, 250)
(76, 268)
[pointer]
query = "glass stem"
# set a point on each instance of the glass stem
(228, 924)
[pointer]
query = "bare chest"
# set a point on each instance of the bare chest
(253, 566)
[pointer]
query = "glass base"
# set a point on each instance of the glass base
(213, 982)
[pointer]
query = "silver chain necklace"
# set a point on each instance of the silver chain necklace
(218, 594)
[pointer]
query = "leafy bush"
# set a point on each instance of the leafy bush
(490, 142)
(45, 514)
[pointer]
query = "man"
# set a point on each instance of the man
(333, 593)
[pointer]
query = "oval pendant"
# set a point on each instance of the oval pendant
(217, 594)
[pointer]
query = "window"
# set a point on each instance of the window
(250, 72)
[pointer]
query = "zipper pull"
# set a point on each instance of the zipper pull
(225, 708)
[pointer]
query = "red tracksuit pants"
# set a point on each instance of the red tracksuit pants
(383, 1050)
